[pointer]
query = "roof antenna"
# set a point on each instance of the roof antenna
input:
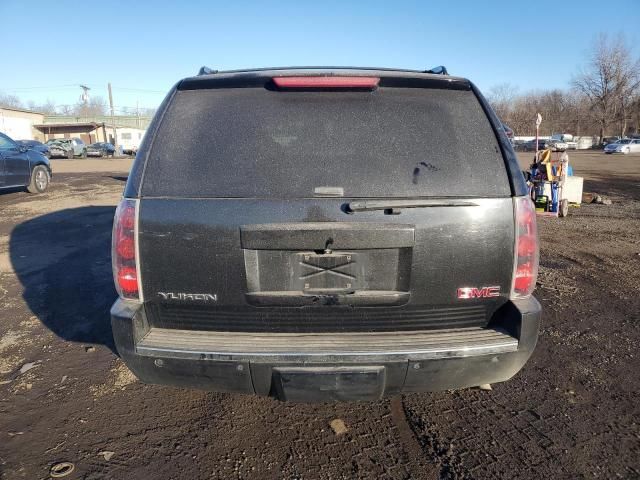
(206, 71)
(440, 70)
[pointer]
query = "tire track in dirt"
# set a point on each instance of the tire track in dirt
(418, 464)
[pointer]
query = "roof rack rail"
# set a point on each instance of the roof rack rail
(206, 71)
(439, 70)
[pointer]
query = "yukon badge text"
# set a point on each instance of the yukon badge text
(189, 297)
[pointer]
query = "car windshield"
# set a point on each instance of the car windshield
(624, 142)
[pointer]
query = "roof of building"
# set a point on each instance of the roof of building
(130, 121)
(68, 127)
(77, 127)
(22, 110)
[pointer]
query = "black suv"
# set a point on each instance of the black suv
(325, 234)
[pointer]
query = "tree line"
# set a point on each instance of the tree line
(93, 107)
(602, 100)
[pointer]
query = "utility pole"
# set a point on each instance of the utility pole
(538, 122)
(113, 125)
(84, 98)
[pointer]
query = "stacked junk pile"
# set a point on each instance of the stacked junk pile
(552, 185)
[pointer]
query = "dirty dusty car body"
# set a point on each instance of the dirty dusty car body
(325, 234)
(59, 148)
(67, 147)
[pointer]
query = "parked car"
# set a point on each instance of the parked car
(566, 138)
(607, 140)
(530, 145)
(517, 143)
(626, 145)
(555, 145)
(21, 166)
(59, 148)
(101, 149)
(35, 145)
(299, 237)
(67, 147)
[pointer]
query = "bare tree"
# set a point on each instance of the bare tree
(66, 109)
(96, 106)
(628, 83)
(577, 115)
(501, 98)
(48, 108)
(609, 81)
(10, 101)
(635, 109)
(147, 111)
(563, 111)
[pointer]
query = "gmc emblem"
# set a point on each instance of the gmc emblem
(473, 292)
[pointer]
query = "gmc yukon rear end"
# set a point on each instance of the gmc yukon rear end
(325, 234)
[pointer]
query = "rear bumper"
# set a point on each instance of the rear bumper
(327, 367)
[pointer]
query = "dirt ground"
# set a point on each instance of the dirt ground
(93, 165)
(573, 411)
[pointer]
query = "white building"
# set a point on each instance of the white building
(18, 123)
(129, 138)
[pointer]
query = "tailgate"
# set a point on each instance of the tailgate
(245, 224)
(291, 266)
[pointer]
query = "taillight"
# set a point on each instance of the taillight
(526, 251)
(368, 83)
(123, 251)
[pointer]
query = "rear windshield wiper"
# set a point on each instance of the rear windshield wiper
(391, 207)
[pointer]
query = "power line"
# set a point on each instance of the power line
(53, 87)
(139, 90)
(39, 88)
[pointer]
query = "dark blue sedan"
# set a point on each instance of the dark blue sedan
(100, 149)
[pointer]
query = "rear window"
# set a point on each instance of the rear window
(393, 142)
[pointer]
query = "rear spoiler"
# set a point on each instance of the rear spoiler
(434, 78)
(439, 70)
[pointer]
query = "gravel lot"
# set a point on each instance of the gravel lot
(573, 411)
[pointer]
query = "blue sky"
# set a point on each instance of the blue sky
(144, 47)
